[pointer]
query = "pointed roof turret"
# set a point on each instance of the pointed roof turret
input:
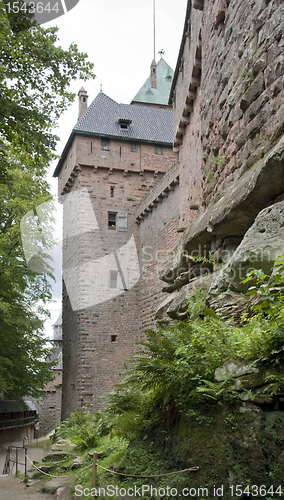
(156, 89)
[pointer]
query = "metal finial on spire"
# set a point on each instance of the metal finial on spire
(101, 88)
(154, 23)
(161, 53)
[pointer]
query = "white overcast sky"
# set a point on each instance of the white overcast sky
(118, 36)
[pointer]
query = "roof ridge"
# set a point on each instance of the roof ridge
(89, 108)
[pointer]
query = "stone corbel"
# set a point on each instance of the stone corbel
(197, 62)
(195, 81)
(180, 131)
(220, 12)
(191, 96)
(185, 119)
(188, 108)
(177, 142)
(198, 4)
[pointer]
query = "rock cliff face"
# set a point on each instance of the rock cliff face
(228, 98)
(234, 233)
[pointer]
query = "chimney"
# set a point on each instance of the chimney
(83, 101)
(153, 74)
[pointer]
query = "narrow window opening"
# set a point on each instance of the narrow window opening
(113, 338)
(84, 99)
(105, 143)
(112, 192)
(113, 279)
(111, 221)
(91, 147)
(133, 147)
(158, 150)
(120, 152)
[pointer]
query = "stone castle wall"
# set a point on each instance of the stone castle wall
(240, 104)
(50, 405)
(158, 215)
(242, 84)
(100, 335)
(228, 114)
(239, 49)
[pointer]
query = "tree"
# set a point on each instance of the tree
(34, 79)
(23, 292)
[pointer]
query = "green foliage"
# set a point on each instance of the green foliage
(218, 160)
(35, 73)
(269, 291)
(210, 177)
(23, 368)
(169, 394)
(34, 78)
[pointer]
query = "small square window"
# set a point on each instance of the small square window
(133, 147)
(113, 338)
(105, 143)
(111, 221)
(158, 150)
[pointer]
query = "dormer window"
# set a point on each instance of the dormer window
(124, 123)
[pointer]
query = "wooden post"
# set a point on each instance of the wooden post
(26, 462)
(94, 470)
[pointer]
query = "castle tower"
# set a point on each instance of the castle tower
(115, 154)
(156, 89)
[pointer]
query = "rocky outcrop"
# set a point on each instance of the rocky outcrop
(235, 233)
(231, 215)
(234, 368)
(175, 305)
(262, 243)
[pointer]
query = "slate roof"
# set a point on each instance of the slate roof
(56, 357)
(147, 124)
(10, 406)
(160, 95)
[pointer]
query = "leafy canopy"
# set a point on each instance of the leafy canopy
(23, 368)
(34, 78)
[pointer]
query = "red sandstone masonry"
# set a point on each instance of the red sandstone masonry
(237, 109)
(93, 363)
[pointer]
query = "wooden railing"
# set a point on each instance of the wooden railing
(17, 422)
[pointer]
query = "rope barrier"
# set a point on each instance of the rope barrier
(191, 469)
(51, 475)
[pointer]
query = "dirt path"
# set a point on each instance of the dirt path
(12, 488)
